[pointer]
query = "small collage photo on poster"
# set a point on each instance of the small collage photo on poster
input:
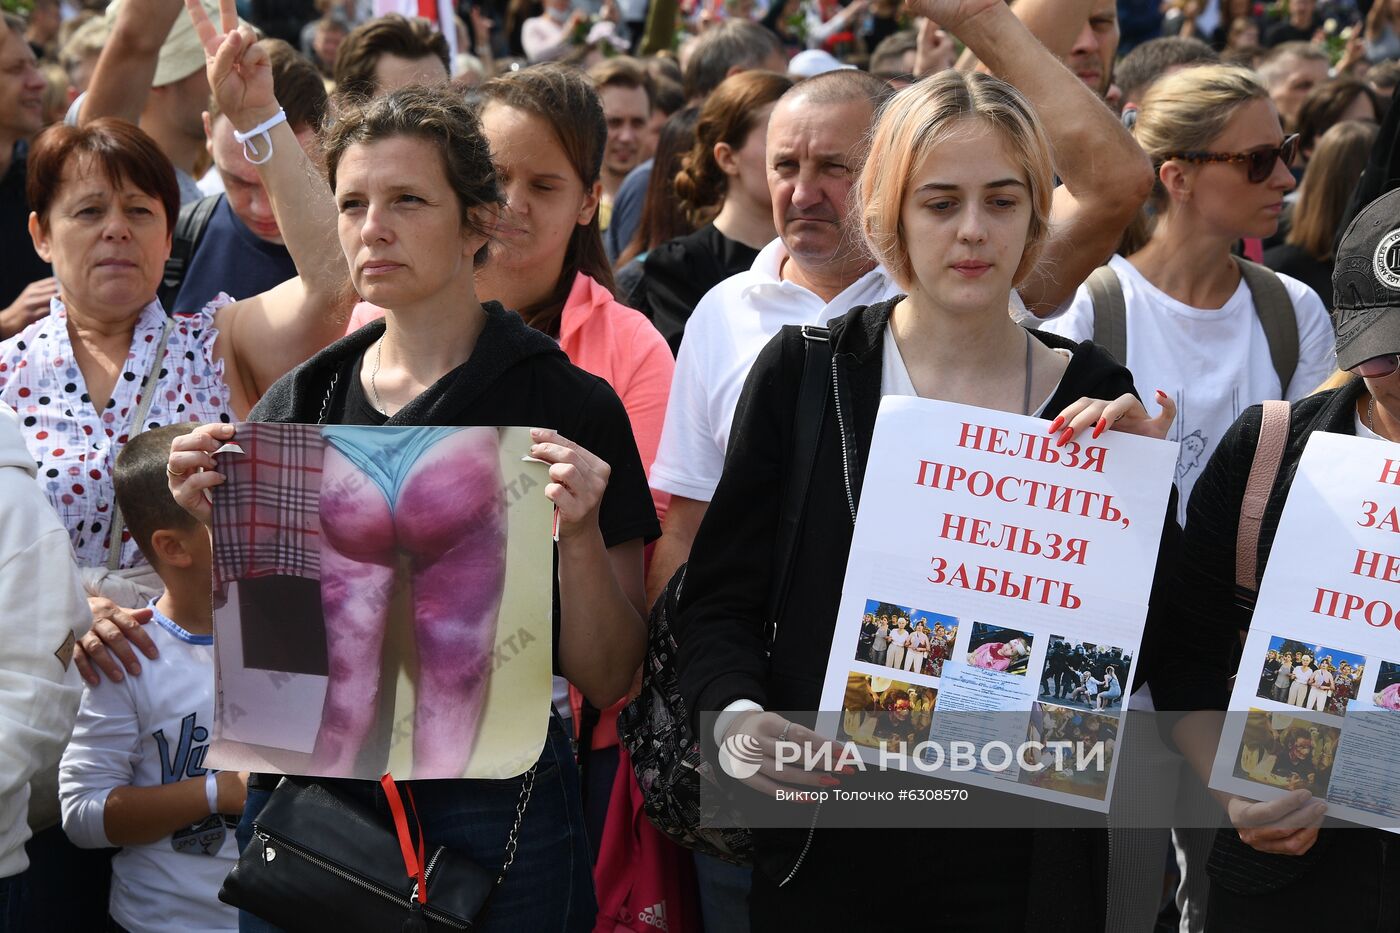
(1078, 768)
(904, 639)
(995, 648)
(882, 711)
(1280, 749)
(1313, 677)
(1084, 675)
(1386, 694)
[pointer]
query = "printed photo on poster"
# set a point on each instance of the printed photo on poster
(1310, 676)
(881, 711)
(994, 648)
(1079, 770)
(1387, 693)
(382, 602)
(1283, 750)
(1084, 675)
(914, 641)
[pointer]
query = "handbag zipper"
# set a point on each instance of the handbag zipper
(841, 427)
(270, 853)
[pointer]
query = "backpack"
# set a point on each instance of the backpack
(1263, 471)
(1271, 304)
(655, 728)
(189, 230)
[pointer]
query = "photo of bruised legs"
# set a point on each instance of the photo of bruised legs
(430, 497)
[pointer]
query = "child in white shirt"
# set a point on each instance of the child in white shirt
(133, 774)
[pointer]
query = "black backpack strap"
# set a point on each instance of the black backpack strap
(1110, 312)
(1275, 311)
(807, 428)
(189, 230)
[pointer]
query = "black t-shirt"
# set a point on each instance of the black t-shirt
(1300, 264)
(626, 511)
(19, 264)
(678, 273)
(231, 259)
(1287, 32)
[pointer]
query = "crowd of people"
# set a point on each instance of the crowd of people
(905, 645)
(1300, 679)
(618, 222)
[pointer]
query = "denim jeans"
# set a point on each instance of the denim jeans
(550, 883)
(12, 903)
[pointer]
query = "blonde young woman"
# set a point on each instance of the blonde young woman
(957, 212)
(1193, 326)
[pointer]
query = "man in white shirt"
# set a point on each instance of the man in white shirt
(818, 268)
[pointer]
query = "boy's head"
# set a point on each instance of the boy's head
(169, 536)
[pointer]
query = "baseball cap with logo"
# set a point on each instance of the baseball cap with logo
(181, 55)
(1366, 284)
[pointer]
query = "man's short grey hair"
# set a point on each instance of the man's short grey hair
(1154, 58)
(841, 87)
(1276, 65)
(888, 56)
(735, 43)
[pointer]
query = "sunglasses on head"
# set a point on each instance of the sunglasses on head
(1377, 367)
(1259, 163)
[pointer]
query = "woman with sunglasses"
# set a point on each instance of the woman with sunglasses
(1193, 328)
(1277, 853)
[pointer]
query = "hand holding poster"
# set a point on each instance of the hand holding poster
(1319, 678)
(386, 602)
(991, 570)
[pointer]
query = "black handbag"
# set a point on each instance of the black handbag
(667, 758)
(319, 860)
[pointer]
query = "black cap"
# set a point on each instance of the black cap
(1366, 284)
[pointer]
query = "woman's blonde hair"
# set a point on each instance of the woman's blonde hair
(1185, 112)
(919, 118)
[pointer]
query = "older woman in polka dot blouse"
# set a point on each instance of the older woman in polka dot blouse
(108, 363)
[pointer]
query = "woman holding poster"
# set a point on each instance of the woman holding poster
(1278, 855)
(957, 213)
(418, 197)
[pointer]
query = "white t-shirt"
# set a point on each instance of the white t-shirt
(1303, 675)
(730, 326)
(900, 637)
(145, 731)
(1214, 363)
(894, 375)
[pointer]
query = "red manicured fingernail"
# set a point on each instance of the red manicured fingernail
(1064, 438)
(1161, 394)
(1098, 428)
(1057, 424)
(827, 781)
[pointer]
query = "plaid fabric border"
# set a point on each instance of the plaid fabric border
(266, 515)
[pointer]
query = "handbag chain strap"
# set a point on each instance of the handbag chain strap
(521, 803)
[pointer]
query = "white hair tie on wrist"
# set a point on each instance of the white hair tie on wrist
(261, 129)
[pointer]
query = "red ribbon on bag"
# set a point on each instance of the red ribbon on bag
(413, 859)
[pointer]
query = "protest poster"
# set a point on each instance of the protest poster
(992, 571)
(1317, 695)
(383, 602)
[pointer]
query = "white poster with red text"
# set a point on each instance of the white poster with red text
(1316, 703)
(993, 571)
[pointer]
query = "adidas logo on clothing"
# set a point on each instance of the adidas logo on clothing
(655, 916)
